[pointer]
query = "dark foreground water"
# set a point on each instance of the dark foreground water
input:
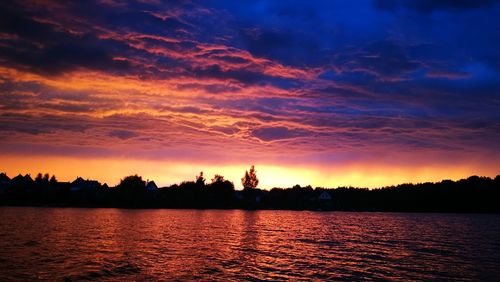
(118, 245)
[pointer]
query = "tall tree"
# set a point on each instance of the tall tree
(250, 180)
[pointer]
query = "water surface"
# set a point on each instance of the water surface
(114, 244)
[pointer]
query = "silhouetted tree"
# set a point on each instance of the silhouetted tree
(220, 193)
(39, 178)
(132, 182)
(53, 180)
(46, 177)
(218, 178)
(200, 180)
(250, 179)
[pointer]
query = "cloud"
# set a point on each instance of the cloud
(40, 48)
(447, 74)
(211, 81)
(427, 6)
(276, 133)
(123, 134)
(19, 123)
(384, 60)
(241, 75)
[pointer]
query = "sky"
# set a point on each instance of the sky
(365, 93)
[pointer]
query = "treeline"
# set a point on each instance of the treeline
(474, 194)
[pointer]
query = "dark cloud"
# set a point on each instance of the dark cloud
(245, 76)
(158, 44)
(123, 134)
(275, 133)
(384, 60)
(15, 123)
(185, 109)
(233, 59)
(228, 130)
(67, 107)
(143, 14)
(447, 74)
(291, 48)
(40, 48)
(426, 6)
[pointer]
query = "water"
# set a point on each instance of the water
(118, 245)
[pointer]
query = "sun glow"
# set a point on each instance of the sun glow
(165, 172)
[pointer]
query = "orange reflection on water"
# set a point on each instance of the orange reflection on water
(114, 244)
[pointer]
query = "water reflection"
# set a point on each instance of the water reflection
(113, 244)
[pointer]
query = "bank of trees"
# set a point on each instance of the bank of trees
(474, 194)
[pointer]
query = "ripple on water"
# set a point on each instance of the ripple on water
(107, 270)
(31, 243)
(123, 245)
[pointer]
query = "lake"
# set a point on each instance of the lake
(235, 245)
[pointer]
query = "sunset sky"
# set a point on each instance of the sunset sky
(327, 93)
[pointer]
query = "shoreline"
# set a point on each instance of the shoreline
(250, 210)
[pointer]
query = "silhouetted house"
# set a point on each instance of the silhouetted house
(324, 196)
(22, 181)
(4, 181)
(151, 186)
(105, 186)
(62, 185)
(82, 184)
